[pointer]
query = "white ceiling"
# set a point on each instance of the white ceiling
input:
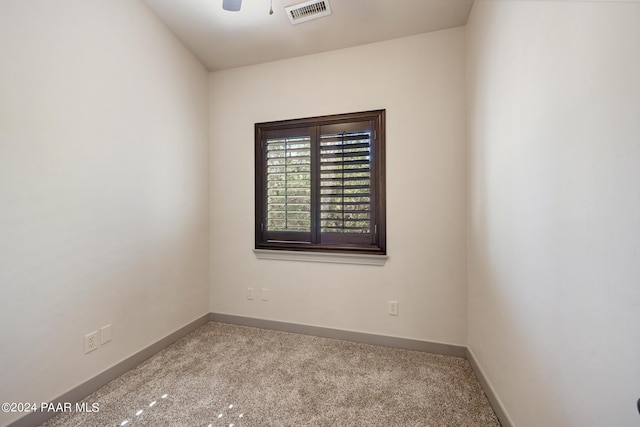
(222, 39)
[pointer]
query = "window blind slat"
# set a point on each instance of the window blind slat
(342, 139)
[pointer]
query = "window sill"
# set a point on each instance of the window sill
(336, 258)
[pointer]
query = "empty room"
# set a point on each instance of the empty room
(319, 213)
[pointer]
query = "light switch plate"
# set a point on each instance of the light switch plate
(105, 334)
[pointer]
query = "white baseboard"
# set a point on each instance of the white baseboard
(340, 334)
(495, 402)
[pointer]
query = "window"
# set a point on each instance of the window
(320, 184)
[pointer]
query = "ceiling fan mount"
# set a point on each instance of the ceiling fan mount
(235, 5)
(231, 5)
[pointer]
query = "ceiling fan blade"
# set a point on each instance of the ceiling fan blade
(231, 5)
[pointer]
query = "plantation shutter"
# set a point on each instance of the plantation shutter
(320, 184)
(288, 185)
(346, 196)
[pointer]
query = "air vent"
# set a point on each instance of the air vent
(308, 10)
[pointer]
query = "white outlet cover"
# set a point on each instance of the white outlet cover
(393, 308)
(91, 342)
(265, 294)
(105, 334)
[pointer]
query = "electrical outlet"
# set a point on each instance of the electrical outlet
(249, 293)
(91, 342)
(105, 334)
(264, 294)
(393, 308)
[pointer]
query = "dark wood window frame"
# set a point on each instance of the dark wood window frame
(307, 156)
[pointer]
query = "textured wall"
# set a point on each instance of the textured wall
(554, 225)
(103, 189)
(420, 82)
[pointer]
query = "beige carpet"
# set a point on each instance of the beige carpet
(222, 375)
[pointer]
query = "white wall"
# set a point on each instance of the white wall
(103, 189)
(420, 82)
(554, 240)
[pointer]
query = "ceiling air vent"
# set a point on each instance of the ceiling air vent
(308, 10)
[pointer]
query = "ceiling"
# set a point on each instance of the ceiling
(222, 39)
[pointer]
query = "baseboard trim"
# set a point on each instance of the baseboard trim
(495, 402)
(80, 392)
(340, 334)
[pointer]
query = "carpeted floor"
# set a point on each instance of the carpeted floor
(222, 375)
